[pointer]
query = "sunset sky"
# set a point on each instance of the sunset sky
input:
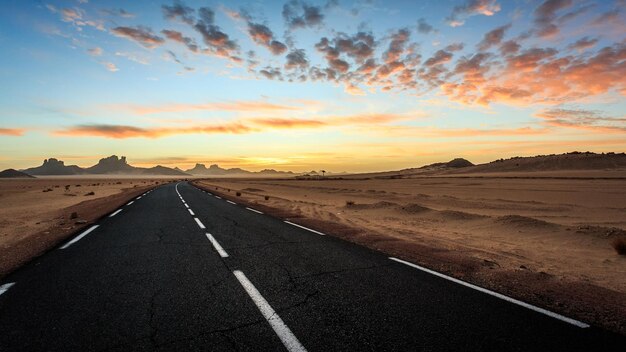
(301, 85)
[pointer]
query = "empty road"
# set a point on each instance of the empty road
(181, 269)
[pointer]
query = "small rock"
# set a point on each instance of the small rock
(523, 267)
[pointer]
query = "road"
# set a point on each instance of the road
(182, 269)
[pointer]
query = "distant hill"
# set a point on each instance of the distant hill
(106, 166)
(454, 164)
(12, 173)
(215, 170)
(553, 162)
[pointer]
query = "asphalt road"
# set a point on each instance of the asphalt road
(180, 269)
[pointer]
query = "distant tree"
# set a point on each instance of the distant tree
(323, 172)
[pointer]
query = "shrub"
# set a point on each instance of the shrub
(267, 197)
(619, 244)
(90, 193)
(349, 203)
(74, 215)
(238, 194)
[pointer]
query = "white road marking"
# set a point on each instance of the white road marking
(186, 205)
(138, 198)
(4, 288)
(218, 197)
(284, 333)
(217, 246)
(77, 238)
(191, 211)
(131, 202)
(200, 223)
(306, 228)
(231, 202)
(496, 294)
(117, 212)
(254, 210)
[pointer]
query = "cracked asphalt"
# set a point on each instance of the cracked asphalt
(148, 279)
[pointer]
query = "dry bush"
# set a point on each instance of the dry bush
(267, 197)
(74, 215)
(619, 244)
(90, 193)
(349, 203)
(238, 194)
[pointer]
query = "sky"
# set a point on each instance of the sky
(296, 85)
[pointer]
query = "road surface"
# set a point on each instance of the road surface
(181, 269)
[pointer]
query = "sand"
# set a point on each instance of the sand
(517, 235)
(36, 213)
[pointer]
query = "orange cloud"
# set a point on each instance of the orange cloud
(583, 119)
(11, 132)
(236, 127)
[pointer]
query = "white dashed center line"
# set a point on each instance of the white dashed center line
(191, 212)
(218, 197)
(231, 202)
(284, 333)
(199, 223)
(131, 202)
(217, 246)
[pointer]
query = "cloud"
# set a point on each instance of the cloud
(493, 37)
(546, 15)
(234, 127)
(76, 17)
(219, 43)
(178, 37)
(97, 51)
(472, 8)
(583, 44)
(142, 35)
(271, 73)
(110, 66)
(425, 28)
(262, 35)
(179, 11)
(15, 132)
(118, 12)
(583, 119)
(296, 59)
(299, 14)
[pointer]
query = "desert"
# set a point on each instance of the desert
(546, 236)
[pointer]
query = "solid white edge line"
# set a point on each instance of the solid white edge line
(77, 238)
(4, 288)
(498, 295)
(199, 223)
(131, 202)
(138, 198)
(115, 213)
(284, 333)
(191, 212)
(306, 228)
(217, 246)
(231, 202)
(218, 197)
(254, 210)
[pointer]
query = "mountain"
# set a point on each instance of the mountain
(112, 165)
(12, 173)
(54, 166)
(162, 170)
(216, 170)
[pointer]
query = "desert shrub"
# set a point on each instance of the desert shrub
(77, 186)
(90, 193)
(118, 182)
(74, 215)
(349, 203)
(238, 194)
(619, 244)
(67, 187)
(48, 190)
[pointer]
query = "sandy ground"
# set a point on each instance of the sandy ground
(501, 232)
(32, 221)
